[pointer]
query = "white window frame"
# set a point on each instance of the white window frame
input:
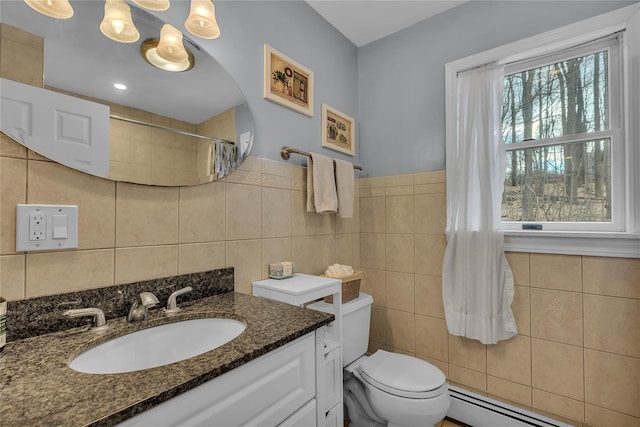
(626, 241)
(612, 45)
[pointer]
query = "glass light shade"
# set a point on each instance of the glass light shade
(158, 5)
(117, 23)
(201, 21)
(60, 9)
(150, 54)
(170, 47)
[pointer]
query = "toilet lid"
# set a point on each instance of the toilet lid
(402, 375)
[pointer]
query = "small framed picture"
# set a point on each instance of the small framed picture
(287, 82)
(338, 130)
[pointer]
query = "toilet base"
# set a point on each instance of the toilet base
(361, 414)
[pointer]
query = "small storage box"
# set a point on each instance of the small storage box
(350, 288)
(281, 270)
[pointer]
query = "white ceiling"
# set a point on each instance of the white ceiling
(364, 21)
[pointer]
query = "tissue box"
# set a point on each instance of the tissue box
(281, 270)
(350, 288)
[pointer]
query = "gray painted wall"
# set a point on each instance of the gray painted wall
(401, 77)
(295, 29)
(393, 87)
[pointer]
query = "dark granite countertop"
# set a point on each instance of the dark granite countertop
(37, 388)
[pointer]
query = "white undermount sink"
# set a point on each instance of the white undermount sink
(157, 346)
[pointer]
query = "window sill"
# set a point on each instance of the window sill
(622, 245)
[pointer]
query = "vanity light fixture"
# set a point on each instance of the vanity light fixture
(201, 21)
(158, 5)
(150, 54)
(117, 23)
(60, 9)
(175, 57)
(170, 47)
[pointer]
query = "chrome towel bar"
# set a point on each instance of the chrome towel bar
(286, 151)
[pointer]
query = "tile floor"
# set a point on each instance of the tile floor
(448, 422)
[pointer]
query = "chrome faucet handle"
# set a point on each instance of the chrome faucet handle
(149, 299)
(172, 305)
(99, 321)
(139, 309)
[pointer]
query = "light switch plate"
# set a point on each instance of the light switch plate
(35, 227)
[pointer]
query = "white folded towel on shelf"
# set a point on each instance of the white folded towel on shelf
(321, 184)
(345, 184)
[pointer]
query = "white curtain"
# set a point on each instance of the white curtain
(477, 283)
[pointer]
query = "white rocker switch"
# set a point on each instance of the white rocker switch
(60, 227)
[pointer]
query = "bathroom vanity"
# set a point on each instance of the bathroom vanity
(264, 376)
(300, 290)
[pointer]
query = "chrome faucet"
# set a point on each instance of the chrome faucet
(99, 321)
(139, 309)
(172, 305)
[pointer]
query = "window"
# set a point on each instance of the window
(561, 127)
(575, 171)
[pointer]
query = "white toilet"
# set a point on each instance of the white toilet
(385, 389)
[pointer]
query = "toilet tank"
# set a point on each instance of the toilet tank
(356, 316)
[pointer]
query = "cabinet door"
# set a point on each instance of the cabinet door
(304, 417)
(333, 378)
(264, 392)
(334, 417)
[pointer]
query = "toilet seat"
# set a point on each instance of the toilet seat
(402, 376)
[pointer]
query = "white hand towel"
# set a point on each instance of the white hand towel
(345, 183)
(321, 184)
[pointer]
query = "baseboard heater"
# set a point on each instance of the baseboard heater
(480, 411)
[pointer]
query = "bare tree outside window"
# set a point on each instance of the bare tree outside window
(548, 179)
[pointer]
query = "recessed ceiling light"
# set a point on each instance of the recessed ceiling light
(120, 86)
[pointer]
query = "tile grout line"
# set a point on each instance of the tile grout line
(178, 230)
(115, 227)
(26, 199)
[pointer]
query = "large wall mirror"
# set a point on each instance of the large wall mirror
(165, 128)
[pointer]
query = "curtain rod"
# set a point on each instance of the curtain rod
(182, 132)
(286, 151)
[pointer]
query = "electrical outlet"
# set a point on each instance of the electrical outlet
(37, 226)
(46, 227)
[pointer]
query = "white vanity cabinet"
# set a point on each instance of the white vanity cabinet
(299, 290)
(275, 389)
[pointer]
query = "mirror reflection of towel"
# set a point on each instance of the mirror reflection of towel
(321, 184)
(345, 184)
